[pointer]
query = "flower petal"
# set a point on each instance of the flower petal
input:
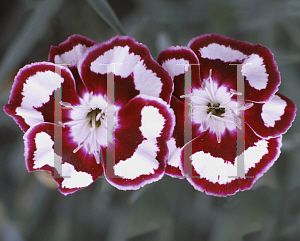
(71, 50)
(135, 72)
(69, 53)
(32, 95)
(214, 166)
(145, 125)
(175, 60)
(74, 171)
(176, 143)
(272, 118)
(259, 68)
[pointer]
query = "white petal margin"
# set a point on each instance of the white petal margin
(215, 51)
(273, 110)
(44, 155)
(125, 64)
(143, 161)
(37, 91)
(217, 170)
(255, 72)
(175, 67)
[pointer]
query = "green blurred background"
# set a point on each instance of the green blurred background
(170, 209)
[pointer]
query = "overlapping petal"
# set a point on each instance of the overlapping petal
(213, 168)
(260, 70)
(72, 171)
(176, 143)
(145, 125)
(140, 129)
(68, 53)
(272, 118)
(209, 158)
(135, 72)
(70, 149)
(32, 96)
(177, 60)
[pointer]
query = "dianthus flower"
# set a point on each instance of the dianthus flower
(218, 116)
(141, 120)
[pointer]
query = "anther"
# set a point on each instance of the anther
(77, 148)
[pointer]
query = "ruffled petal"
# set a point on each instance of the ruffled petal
(272, 118)
(69, 53)
(259, 68)
(72, 171)
(32, 96)
(212, 167)
(144, 126)
(176, 61)
(135, 72)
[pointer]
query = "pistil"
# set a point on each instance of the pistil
(95, 117)
(215, 109)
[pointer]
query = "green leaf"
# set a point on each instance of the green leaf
(104, 10)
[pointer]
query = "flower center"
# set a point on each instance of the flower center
(88, 125)
(95, 116)
(215, 109)
(209, 109)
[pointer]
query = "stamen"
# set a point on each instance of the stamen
(90, 97)
(238, 120)
(98, 116)
(218, 134)
(234, 92)
(66, 104)
(77, 148)
(247, 106)
(210, 73)
(211, 87)
(93, 121)
(186, 95)
(209, 114)
(96, 155)
(210, 97)
(61, 124)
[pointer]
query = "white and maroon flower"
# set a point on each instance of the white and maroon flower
(217, 114)
(142, 119)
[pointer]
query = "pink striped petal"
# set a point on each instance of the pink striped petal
(272, 118)
(32, 95)
(72, 172)
(145, 125)
(214, 166)
(135, 72)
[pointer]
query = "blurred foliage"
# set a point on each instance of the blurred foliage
(168, 210)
